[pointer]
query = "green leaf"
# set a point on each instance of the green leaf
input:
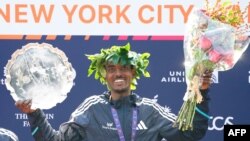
(90, 71)
(146, 62)
(124, 60)
(96, 75)
(145, 55)
(127, 47)
(123, 51)
(146, 74)
(115, 59)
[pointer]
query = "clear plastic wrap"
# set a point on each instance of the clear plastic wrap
(208, 45)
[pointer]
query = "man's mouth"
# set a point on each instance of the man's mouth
(119, 80)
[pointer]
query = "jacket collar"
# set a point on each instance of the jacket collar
(127, 100)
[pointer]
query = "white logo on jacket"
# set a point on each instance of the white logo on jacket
(109, 126)
(141, 126)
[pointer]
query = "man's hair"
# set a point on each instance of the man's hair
(119, 55)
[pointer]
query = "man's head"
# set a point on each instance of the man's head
(119, 77)
(118, 67)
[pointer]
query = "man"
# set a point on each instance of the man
(119, 114)
(7, 135)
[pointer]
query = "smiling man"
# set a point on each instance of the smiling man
(118, 79)
(118, 114)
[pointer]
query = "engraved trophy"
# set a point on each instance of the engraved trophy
(39, 72)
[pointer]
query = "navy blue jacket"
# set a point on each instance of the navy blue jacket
(93, 121)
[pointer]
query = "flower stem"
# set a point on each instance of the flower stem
(186, 114)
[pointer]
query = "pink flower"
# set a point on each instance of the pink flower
(205, 43)
(214, 56)
(242, 38)
(229, 60)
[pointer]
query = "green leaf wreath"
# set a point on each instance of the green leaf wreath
(118, 55)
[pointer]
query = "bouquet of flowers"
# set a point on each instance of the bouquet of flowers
(215, 40)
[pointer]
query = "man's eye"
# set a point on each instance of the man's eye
(125, 68)
(111, 70)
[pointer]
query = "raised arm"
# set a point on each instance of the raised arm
(200, 122)
(41, 130)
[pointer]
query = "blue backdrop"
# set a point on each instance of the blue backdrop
(229, 94)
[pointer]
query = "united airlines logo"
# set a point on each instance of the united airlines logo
(174, 77)
(179, 77)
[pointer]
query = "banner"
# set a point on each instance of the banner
(84, 27)
(98, 17)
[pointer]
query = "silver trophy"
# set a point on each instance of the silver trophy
(7, 135)
(39, 72)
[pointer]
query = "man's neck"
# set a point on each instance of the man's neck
(117, 96)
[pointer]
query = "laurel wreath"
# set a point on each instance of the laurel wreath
(118, 55)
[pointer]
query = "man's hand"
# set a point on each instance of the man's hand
(25, 106)
(206, 79)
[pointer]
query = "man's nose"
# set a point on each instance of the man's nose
(118, 72)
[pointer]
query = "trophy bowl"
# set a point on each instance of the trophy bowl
(39, 72)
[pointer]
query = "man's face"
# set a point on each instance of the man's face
(119, 77)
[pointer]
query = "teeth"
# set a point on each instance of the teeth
(119, 80)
